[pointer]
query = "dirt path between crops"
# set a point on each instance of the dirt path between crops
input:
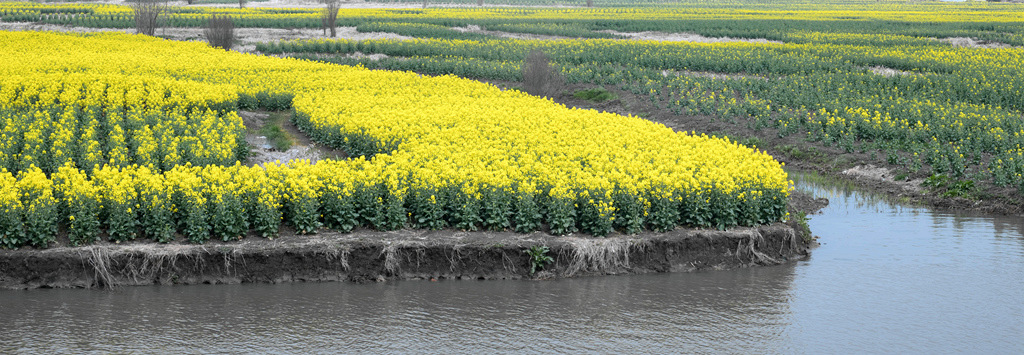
(636, 36)
(974, 43)
(682, 37)
(889, 72)
(511, 35)
(261, 151)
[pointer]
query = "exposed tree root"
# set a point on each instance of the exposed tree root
(601, 254)
(750, 248)
(99, 259)
(392, 255)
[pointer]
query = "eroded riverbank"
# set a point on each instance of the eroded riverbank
(884, 273)
(399, 255)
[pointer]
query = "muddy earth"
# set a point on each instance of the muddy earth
(369, 255)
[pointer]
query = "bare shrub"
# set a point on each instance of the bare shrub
(220, 32)
(147, 15)
(241, 4)
(590, 3)
(329, 16)
(539, 76)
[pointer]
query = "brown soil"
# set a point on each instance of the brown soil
(369, 255)
(806, 203)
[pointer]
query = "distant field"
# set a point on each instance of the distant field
(125, 136)
(932, 91)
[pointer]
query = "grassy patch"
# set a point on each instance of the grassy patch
(277, 137)
(794, 152)
(799, 222)
(902, 176)
(595, 95)
(947, 187)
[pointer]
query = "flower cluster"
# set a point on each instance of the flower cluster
(431, 152)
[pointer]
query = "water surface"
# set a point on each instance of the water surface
(887, 278)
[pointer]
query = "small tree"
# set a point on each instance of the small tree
(590, 3)
(220, 32)
(147, 15)
(539, 76)
(329, 16)
(241, 4)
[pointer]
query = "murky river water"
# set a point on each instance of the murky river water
(886, 279)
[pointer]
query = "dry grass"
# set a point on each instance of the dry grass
(601, 254)
(99, 259)
(752, 246)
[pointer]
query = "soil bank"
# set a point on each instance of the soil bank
(368, 255)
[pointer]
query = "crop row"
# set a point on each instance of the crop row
(436, 152)
(954, 111)
(230, 203)
(48, 121)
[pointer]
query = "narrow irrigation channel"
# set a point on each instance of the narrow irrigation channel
(886, 279)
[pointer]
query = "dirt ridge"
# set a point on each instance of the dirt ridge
(398, 255)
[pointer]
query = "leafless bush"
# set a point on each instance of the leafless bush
(220, 32)
(329, 16)
(590, 3)
(147, 15)
(539, 76)
(241, 4)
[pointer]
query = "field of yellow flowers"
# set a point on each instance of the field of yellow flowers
(126, 136)
(948, 110)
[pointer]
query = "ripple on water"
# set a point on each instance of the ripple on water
(887, 278)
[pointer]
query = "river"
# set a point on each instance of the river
(886, 279)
